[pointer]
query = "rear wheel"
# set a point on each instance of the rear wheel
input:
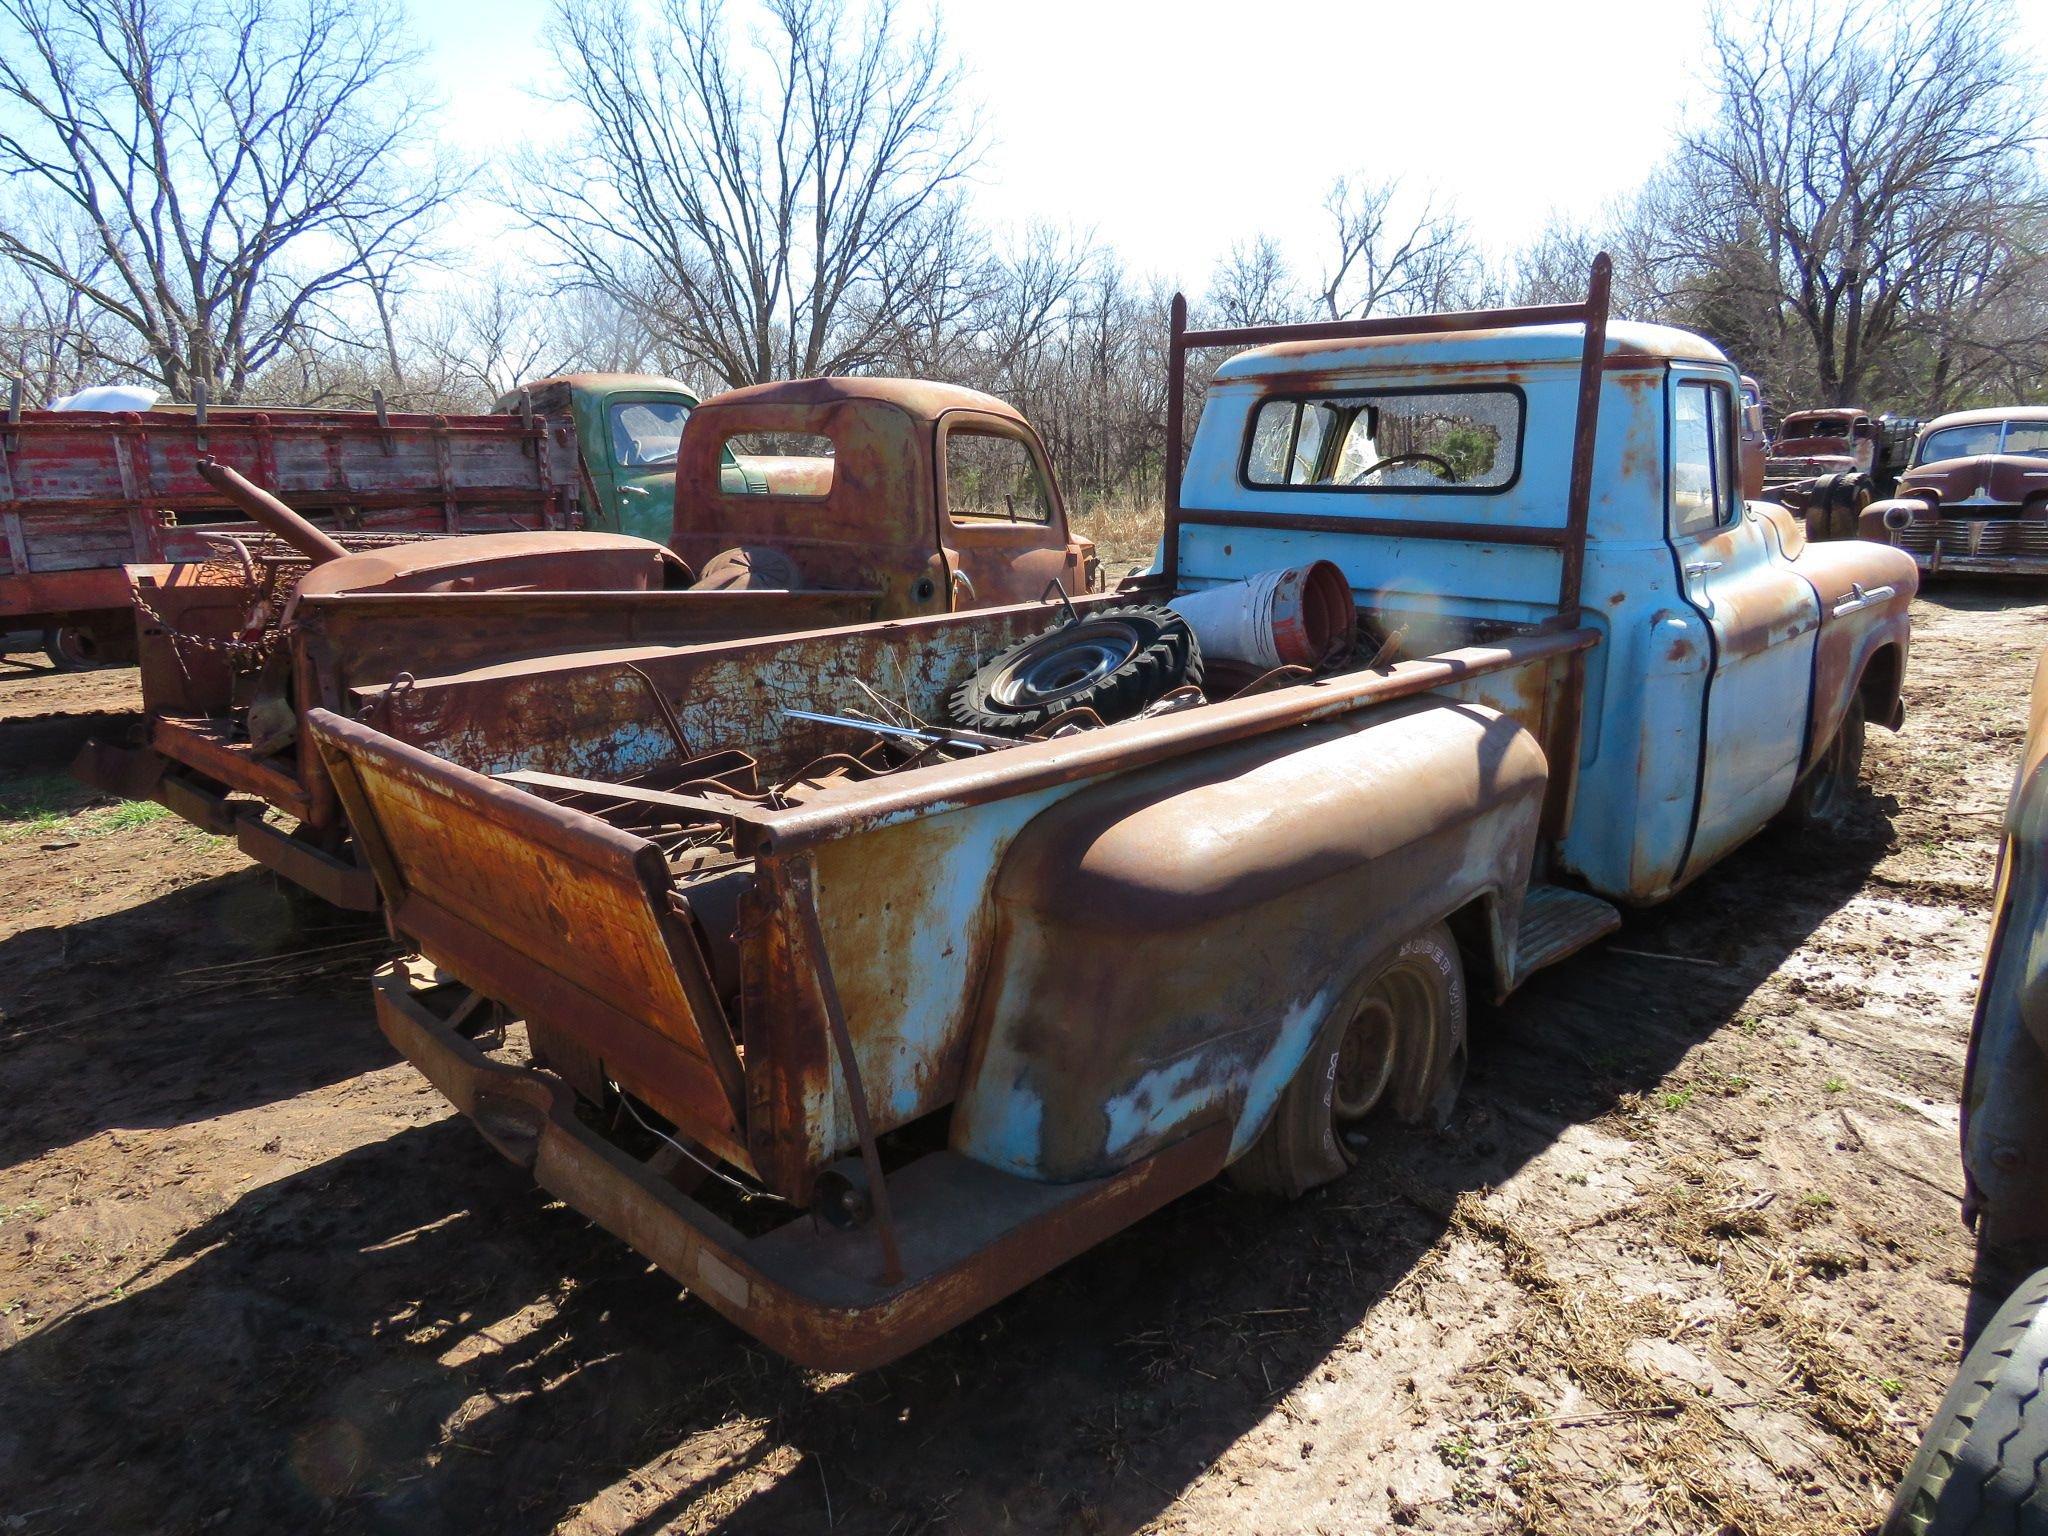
(1393, 1049)
(72, 648)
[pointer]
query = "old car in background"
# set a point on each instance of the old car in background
(1975, 501)
(1829, 464)
(790, 506)
(968, 939)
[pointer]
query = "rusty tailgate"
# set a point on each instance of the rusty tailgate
(570, 922)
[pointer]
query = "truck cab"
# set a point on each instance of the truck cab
(1431, 469)
(629, 425)
(938, 497)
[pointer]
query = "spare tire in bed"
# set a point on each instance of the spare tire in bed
(1115, 662)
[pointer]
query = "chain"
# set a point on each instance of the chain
(264, 643)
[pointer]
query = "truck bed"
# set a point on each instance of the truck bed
(506, 808)
(83, 493)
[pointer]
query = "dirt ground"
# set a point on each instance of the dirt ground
(1687, 1259)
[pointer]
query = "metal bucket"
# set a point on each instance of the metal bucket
(1302, 616)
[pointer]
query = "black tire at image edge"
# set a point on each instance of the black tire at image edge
(1983, 1463)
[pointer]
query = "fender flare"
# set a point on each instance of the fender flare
(1169, 942)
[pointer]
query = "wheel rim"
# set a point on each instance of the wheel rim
(1396, 1022)
(70, 647)
(1066, 664)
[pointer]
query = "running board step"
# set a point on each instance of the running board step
(1557, 923)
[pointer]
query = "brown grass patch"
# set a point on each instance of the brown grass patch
(1126, 535)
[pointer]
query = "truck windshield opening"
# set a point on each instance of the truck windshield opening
(1420, 440)
(645, 432)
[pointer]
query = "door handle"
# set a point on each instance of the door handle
(962, 584)
(1701, 567)
(1858, 598)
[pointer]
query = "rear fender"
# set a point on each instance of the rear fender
(1169, 944)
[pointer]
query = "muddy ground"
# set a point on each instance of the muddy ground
(1688, 1257)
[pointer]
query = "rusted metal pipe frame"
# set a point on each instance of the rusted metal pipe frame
(1585, 430)
(314, 543)
(1561, 741)
(1181, 340)
(804, 890)
(1171, 471)
(1031, 766)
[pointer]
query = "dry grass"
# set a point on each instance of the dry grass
(1126, 535)
(1675, 1443)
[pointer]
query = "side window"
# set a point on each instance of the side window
(2028, 438)
(1702, 488)
(993, 478)
(775, 464)
(645, 432)
(1288, 438)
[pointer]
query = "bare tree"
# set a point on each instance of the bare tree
(750, 209)
(1858, 149)
(50, 337)
(236, 166)
(1552, 267)
(1390, 260)
(1253, 285)
(928, 320)
(1976, 318)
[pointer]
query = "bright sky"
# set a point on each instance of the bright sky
(1172, 129)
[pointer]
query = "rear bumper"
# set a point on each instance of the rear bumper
(969, 1234)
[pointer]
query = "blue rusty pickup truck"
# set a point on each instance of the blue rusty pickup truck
(781, 960)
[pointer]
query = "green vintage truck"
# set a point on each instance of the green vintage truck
(628, 426)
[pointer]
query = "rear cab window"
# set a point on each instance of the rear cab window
(1427, 440)
(798, 464)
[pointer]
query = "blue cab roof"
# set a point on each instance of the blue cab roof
(1526, 344)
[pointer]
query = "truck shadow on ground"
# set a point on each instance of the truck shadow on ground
(411, 1337)
(214, 998)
